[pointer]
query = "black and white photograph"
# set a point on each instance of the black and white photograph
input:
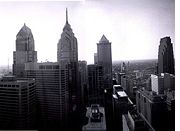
(87, 65)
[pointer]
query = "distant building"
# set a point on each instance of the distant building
(166, 56)
(17, 103)
(95, 88)
(105, 60)
(118, 77)
(96, 119)
(120, 106)
(162, 83)
(47, 89)
(25, 51)
(152, 108)
(95, 58)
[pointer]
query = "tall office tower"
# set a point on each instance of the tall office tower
(105, 60)
(95, 88)
(83, 81)
(153, 109)
(47, 89)
(67, 55)
(17, 103)
(25, 51)
(95, 58)
(120, 106)
(165, 56)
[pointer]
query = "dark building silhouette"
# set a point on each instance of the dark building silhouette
(104, 59)
(120, 106)
(17, 103)
(47, 90)
(95, 88)
(25, 51)
(67, 57)
(166, 56)
(83, 81)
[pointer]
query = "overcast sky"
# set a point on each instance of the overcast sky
(133, 26)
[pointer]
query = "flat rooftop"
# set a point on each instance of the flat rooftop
(95, 126)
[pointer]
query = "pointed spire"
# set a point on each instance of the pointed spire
(66, 16)
(24, 24)
(103, 39)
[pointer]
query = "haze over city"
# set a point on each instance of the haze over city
(133, 27)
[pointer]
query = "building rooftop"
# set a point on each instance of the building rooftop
(104, 39)
(122, 94)
(95, 126)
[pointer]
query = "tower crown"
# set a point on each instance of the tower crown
(104, 39)
(24, 32)
(67, 26)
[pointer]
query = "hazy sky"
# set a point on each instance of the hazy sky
(133, 26)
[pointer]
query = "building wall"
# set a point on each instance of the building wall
(17, 104)
(95, 88)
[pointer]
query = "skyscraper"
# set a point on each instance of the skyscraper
(47, 90)
(25, 51)
(95, 88)
(165, 56)
(17, 103)
(105, 60)
(83, 82)
(67, 55)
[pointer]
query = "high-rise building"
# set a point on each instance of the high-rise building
(25, 51)
(47, 90)
(67, 56)
(95, 58)
(83, 80)
(95, 88)
(152, 108)
(105, 60)
(120, 106)
(166, 56)
(17, 103)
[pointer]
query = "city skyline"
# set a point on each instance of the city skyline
(128, 25)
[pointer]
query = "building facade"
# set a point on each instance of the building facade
(67, 57)
(25, 51)
(17, 103)
(95, 88)
(47, 90)
(104, 58)
(166, 56)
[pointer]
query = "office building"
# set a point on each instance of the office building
(67, 57)
(166, 56)
(95, 88)
(47, 89)
(83, 80)
(25, 51)
(105, 60)
(162, 83)
(95, 58)
(132, 121)
(17, 103)
(120, 106)
(152, 108)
